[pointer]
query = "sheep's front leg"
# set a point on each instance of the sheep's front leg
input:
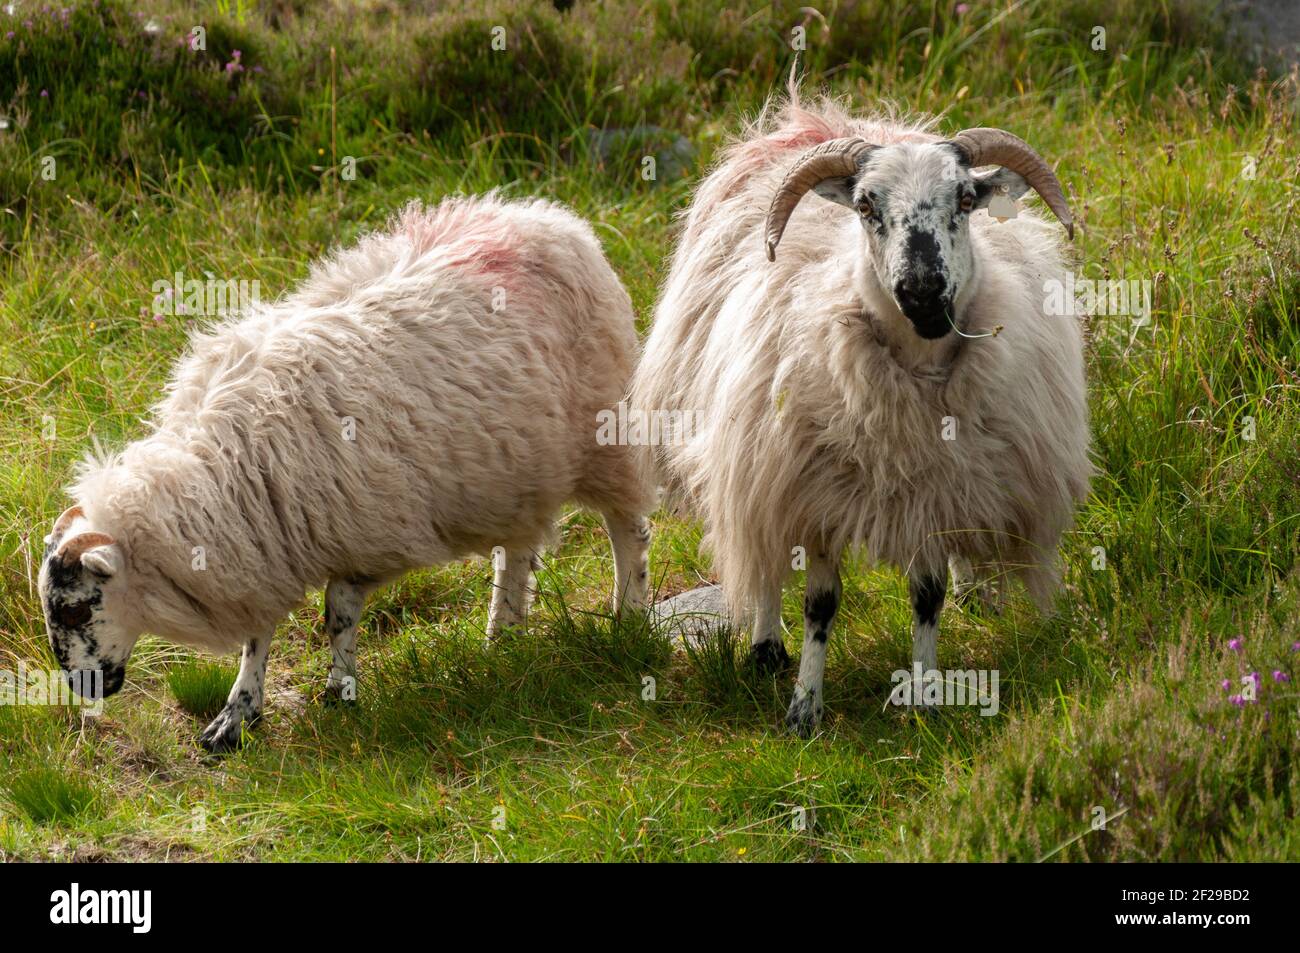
(767, 652)
(244, 704)
(511, 589)
(344, 601)
(629, 537)
(926, 590)
(820, 605)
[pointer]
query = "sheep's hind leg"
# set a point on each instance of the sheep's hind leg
(767, 652)
(972, 589)
(344, 601)
(629, 537)
(820, 605)
(963, 578)
(244, 704)
(512, 589)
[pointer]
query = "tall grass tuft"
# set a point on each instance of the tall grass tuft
(49, 795)
(199, 686)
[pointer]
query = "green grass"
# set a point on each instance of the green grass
(200, 687)
(544, 748)
(48, 795)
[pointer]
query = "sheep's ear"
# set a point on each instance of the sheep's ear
(837, 189)
(992, 183)
(105, 561)
(96, 551)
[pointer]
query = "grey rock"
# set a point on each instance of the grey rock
(692, 616)
(1270, 28)
(674, 154)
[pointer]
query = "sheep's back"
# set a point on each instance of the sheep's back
(428, 393)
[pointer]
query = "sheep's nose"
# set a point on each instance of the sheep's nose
(96, 684)
(920, 298)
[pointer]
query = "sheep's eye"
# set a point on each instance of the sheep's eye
(865, 208)
(967, 203)
(73, 616)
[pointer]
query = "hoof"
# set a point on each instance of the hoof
(921, 708)
(502, 634)
(342, 692)
(769, 658)
(902, 696)
(805, 713)
(226, 730)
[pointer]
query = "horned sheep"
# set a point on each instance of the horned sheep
(892, 380)
(429, 393)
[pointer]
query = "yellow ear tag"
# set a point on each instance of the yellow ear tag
(1002, 206)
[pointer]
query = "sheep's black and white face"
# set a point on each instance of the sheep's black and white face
(84, 596)
(915, 202)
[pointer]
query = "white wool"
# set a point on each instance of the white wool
(470, 346)
(820, 421)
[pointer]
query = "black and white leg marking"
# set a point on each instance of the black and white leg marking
(512, 589)
(629, 537)
(244, 703)
(767, 641)
(820, 605)
(344, 602)
(927, 590)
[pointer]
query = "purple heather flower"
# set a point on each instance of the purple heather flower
(1234, 644)
(1237, 700)
(1280, 676)
(1227, 684)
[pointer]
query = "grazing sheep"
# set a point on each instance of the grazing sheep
(429, 393)
(892, 380)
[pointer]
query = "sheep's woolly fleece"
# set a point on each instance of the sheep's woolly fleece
(466, 350)
(810, 433)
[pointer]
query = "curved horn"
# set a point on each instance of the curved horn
(984, 146)
(73, 549)
(63, 522)
(831, 158)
